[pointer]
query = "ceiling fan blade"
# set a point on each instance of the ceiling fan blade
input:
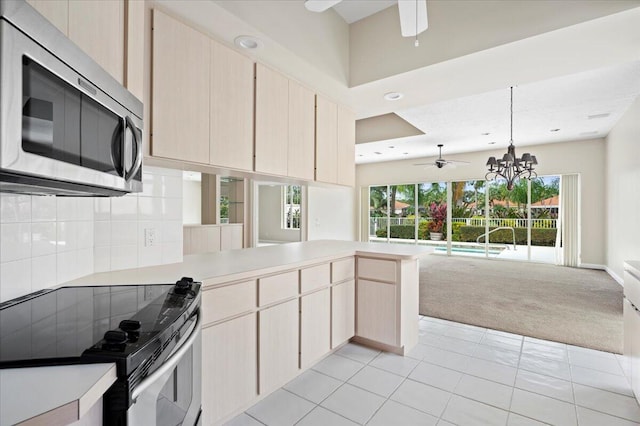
(425, 164)
(458, 162)
(409, 26)
(320, 5)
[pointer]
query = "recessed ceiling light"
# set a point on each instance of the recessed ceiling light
(393, 96)
(485, 134)
(391, 146)
(378, 153)
(405, 153)
(492, 143)
(247, 42)
(554, 130)
(360, 155)
(594, 116)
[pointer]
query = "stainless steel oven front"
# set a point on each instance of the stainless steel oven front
(66, 123)
(171, 395)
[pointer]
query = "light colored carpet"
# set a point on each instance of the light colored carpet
(581, 307)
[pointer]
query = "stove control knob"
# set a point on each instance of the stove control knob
(183, 286)
(115, 336)
(129, 325)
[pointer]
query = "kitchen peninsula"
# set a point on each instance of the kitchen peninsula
(268, 314)
(271, 312)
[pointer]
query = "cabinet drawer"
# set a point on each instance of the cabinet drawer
(223, 302)
(342, 270)
(377, 269)
(277, 287)
(314, 277)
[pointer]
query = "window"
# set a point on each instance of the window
(291, 207)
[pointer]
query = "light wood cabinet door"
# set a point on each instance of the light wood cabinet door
(180, 91)
(346, 147)
(134, 66)
(377, 312)
(278, 345)
(272, 122)
(56, 12)
(97, 27)
(201, 239)
(343, 311)
(231, 237)
(231, 130)
(326, 140)
(315, 327)
(229, 367)
(301, 152)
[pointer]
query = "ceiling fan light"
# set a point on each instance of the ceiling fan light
(320, 5)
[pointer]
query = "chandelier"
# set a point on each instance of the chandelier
(510, 167)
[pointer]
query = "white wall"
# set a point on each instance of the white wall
(586, 158)
(331, 213)
(623, 190)
(270, 216)
(46, 241)
(192, 202)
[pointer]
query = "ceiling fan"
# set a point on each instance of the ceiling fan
(413, 14)
(441, 162)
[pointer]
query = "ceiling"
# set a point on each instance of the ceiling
(575, 107)
(355, 10)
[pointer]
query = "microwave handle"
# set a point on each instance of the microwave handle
(129, 174)
(171, 362)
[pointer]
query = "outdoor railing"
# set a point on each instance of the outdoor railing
(376, 223)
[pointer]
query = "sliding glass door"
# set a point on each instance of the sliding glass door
(482, 219)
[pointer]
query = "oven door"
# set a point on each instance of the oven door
(171, 395)
(58, 125)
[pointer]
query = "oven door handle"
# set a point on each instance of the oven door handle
(171, 362)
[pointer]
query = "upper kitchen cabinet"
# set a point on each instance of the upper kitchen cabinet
(56, 11)
(301, 132)
(326, 140)
(97, 27)
(272, 121)
(231, 126)
(335, 143)
(180, 91)
(346, 146)
(134, 48)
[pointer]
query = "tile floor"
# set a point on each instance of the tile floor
(458, 375)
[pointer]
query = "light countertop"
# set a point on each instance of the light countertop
(55, 395)
(222, 267)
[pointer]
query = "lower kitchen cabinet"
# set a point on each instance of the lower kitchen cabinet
(343, 312)
(278, 345)
(315, 327)
(377, 311)
(632, 325)
(229, 367)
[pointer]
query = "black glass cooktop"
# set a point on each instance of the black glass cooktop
(61, 326)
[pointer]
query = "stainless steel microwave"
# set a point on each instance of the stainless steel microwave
(67, 127)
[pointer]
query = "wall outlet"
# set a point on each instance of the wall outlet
(150, 237)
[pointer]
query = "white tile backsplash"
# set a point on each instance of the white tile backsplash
(46, 241)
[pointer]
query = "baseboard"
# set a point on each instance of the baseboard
(615, 276)
(605, 268)
(593, 266)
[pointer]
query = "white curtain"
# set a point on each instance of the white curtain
(568, 234)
